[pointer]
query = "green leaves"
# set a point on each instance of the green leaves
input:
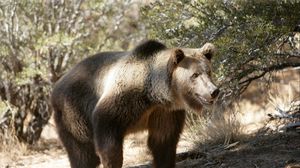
(247, 33)
(57, 39)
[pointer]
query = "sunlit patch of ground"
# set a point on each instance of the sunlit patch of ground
(51, 154)
(280, 150)
(259, 101)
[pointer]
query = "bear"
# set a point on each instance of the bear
(112, 94)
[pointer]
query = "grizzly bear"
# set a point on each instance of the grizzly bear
(112, 94)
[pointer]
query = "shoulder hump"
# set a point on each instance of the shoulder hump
(148, 48)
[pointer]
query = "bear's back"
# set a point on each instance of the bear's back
(78, 83)
(87, 68)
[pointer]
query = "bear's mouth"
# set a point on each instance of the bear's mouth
(204, 101)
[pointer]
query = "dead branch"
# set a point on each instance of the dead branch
(292, 127)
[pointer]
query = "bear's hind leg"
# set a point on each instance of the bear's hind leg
(108, 138)
(111, 154)
(81, 155)
(164, 132)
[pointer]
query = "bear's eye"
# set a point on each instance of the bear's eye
(209, 73)
(195, 75)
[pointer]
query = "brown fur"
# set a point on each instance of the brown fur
(110, 95)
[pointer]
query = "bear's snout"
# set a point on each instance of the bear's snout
(214, 94)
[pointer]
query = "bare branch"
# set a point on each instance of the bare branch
(270, 69)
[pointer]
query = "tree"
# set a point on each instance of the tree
(253, 37)
(40, 40)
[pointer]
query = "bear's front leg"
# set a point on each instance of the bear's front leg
(164, 132)
(108, 138)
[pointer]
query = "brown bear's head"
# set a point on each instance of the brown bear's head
(191, 76)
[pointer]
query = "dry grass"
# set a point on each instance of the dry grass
(218, 128)
(11, 149)
(248, 114)
(283, 102)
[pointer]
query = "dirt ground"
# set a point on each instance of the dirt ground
(268, 151)
(280, 150)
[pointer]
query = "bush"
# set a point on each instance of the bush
(40, 40)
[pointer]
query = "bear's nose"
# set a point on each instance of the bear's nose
(215, 93)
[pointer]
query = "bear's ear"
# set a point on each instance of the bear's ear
(208, 50)
(177, 56)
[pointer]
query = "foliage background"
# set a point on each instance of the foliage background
(40, 40)
(253, 37)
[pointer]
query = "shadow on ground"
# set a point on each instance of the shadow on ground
(281, 150)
